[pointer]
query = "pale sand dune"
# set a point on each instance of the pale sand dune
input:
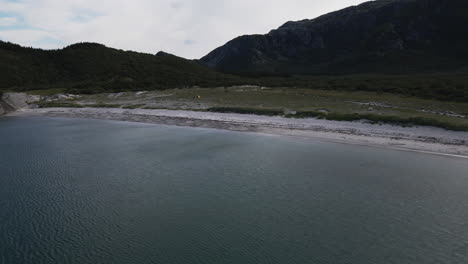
(423, 139)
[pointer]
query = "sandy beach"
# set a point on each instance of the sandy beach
(421, 139)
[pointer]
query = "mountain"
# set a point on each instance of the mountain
(385, 36)
(353, 49)
(97, 68)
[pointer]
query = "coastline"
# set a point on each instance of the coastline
(429, 140)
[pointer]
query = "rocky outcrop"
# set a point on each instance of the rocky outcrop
(383, 35)
(2, 111)
(10, 102)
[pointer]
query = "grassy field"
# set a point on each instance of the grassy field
(291, 102)
(47, 92)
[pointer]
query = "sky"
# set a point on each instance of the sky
(187, 28)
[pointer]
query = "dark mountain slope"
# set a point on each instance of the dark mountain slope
(390, 36)
(97, 68)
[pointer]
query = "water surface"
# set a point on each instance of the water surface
(86, 191)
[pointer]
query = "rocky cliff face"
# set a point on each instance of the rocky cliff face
(10, 102)
(383, 35)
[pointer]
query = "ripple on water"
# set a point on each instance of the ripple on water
(83, 191)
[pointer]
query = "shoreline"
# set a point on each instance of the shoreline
(429, 140)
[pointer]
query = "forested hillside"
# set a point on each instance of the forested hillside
(90, 67)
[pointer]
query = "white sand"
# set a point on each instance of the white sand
(422, 139)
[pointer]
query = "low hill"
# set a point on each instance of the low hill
(95, 68)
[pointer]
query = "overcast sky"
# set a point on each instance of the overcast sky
(188, 28)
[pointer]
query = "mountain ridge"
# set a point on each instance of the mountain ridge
(391, 36)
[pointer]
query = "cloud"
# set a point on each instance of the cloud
(32, 38)
(189, 28)
(189, 42)
(8, 21)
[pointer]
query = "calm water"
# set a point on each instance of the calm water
(83, 191)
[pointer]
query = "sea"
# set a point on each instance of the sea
(92, 191)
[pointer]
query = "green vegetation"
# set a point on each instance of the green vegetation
(92, 69)
(244, 110)
(151, 108)
(134, 106)
(102, 105)
(376, 119)
(43, 104)
(448, 86)
(373, 118)
(58, 104)
(290, 102)
(47, 92)
(89, 68)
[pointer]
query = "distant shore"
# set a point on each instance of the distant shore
(421, 139)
